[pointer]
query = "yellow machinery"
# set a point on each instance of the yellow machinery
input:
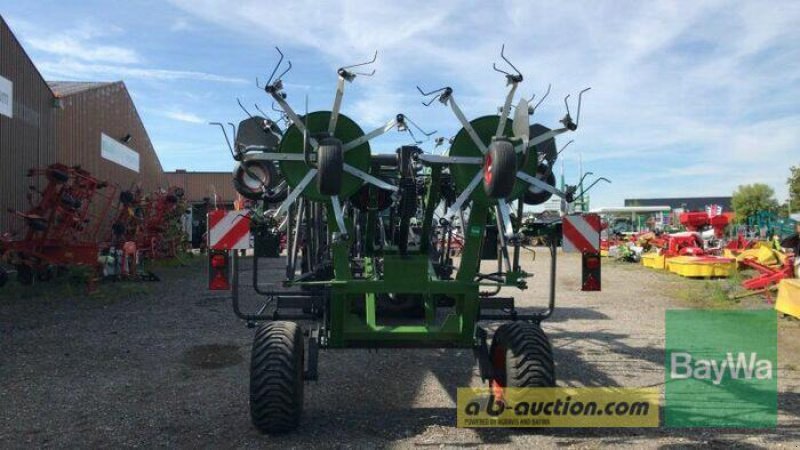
(789, 297)
(701, 266)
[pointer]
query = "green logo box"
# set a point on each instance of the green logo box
(721, 369)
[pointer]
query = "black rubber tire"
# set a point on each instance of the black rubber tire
(252, 188)
(126, 197)
(500, 169)
(3, 277)
(118, 229)
(70, 201)
(526, 356)
(538, 198)
(276, 194)
(276, 377)
(330, 163)
(37, 224)
(25, 275)
(57, 174)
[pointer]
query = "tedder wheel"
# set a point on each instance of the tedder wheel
(276, 377)
(330, 165)
(500, 169)
(521, 356)
(540, 196)
(250, 177)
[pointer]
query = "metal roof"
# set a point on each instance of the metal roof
(67, 88)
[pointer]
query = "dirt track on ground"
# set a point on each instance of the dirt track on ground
(167, 365)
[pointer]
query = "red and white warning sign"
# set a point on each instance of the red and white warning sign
(228, 230)
(581, 233)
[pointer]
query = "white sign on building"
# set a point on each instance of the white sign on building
(119, 153)
(6, 97)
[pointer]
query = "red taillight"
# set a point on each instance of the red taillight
(592, 262)
(218, 271)
(218, 262)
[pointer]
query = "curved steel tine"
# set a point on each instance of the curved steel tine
(266, 116)
(287, 70)
(584, 177)
(566, 103)
(431, 92)
(564, 147)
(225, 133)
(427, 135)
(494, 66)
(580, 97)
(233, 128)
(257, 83)
(374, 58)
(243, 108)
(432, 100)
(275, 69)
(413, 138)
(365, 74)
(594, 183)
(549, 85)
(438, 95)
(503, 55)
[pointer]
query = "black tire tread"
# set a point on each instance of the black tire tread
(276, 377)
(529, 355)
(504, 167)
(330, 165)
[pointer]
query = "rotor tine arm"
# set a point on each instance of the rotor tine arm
(301, 186)
(339, 215)
(462, 198)
(337, 104)
(293, 117)
(371, 135)
(368, 178)
(504, 217)
(541, 184)
(467, 126)
(274, 69)
(501, 125)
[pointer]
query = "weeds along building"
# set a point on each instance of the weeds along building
(91, 124)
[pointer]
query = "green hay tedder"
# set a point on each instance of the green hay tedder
(368, 235)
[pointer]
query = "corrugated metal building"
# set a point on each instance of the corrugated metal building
(91, 124)
(200, 186)
(27, 137)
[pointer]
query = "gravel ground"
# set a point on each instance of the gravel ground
(166, 364)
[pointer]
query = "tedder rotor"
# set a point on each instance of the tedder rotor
(364, 265)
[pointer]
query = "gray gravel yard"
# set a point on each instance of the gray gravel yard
(166, 364)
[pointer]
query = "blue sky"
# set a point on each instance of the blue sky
(688, 98)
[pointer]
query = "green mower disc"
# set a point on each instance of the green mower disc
(346, 131)
(485, 127)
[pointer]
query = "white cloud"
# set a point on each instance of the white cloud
(76, 70)
(182, 116)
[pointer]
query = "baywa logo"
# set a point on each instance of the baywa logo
(721, 369)
(742, 367)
